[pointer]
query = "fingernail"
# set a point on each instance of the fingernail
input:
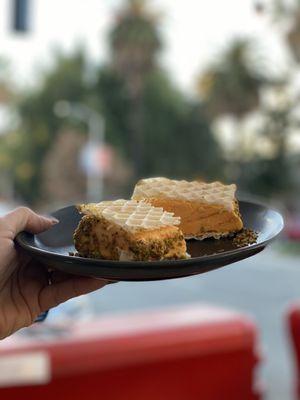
(53, 220)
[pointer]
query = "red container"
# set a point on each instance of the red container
(183, 353)
(293, 317)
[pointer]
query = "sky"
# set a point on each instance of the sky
(193, 32)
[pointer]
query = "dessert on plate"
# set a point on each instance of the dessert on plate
(128, 230)
(205, 209)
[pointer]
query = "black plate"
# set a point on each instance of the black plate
(53, 246)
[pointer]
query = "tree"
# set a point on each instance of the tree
(135, 44)
(233, 87)
(272, 176)
(232, 84)
(153, 127)
(177, 137)
(158, 128)
(275, 176)
(66, 79)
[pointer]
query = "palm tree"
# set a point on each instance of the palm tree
(135, 44)
(231, 86)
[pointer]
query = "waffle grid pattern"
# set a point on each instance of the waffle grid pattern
(209, 193)
(131, 215)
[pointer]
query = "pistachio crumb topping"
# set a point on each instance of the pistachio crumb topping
(245, 237)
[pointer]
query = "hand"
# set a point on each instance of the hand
(24, 288)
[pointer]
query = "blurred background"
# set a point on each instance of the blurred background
(97, 94)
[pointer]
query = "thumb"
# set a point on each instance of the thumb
(24, 219)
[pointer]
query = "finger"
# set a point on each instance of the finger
(24, 219)
(75, 286)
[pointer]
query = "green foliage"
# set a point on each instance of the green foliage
(159, 131)
(135, 42)
(231, 86)
(177, 139)
(113, 99)
(267, 178)
(136, 28)
(155, 127)
(39, 126)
